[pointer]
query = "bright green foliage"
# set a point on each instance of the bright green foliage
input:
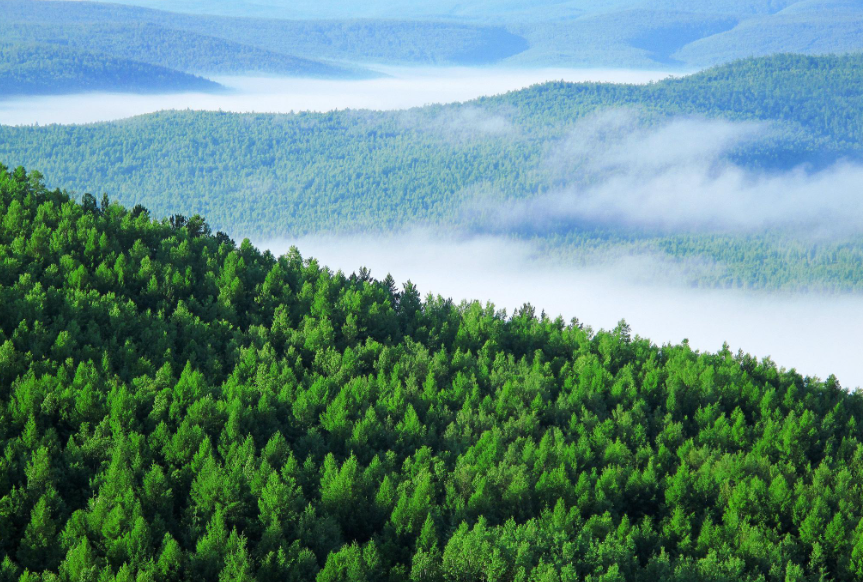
(174, 406)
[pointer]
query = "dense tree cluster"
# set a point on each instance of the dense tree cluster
(819, 94)
(35, 69)
(174, 406)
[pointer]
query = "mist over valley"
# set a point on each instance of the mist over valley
(394, 89)
(812, 332)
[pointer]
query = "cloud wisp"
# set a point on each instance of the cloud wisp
(401, 88)
(678, 176)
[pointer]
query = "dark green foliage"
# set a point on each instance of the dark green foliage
(31, 69)
(174, 406)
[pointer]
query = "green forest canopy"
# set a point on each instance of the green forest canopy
(288, 175)
(174, 406)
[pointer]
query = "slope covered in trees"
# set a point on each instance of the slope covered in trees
(628, 33)
(483, 10)
(213, 41)
(819, 30)
(176, 49)
(29, 69)
(67, 47)
(287, 175)
(174, 406)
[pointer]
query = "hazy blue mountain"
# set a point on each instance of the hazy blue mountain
(809, 32)
(640, 38)
(274, 36)
(693, 35)
(377, 41)
(822, 6)
(388, 9)
(488, 10)
(181, 50)
(28, 69)
(217, 44)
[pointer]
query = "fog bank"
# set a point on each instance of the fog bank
(817, 335)
(402, 88)
(678, 176)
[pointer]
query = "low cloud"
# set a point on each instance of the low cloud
(460, 123)
(402, 88)
(616, 171)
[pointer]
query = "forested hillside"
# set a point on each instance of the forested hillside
(174, 406)
(623, 33)
(479, 10)
(212, 43)
(176, 49)
(78, 47)
(818, 30)
(627, 38)
(288, 175)
(670, 34)
(27, 69)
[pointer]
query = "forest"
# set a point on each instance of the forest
(347, 171)
(31, 69)
(176, 406)
(666, 34)
(181, 51)
(84, 46)
(216, 45)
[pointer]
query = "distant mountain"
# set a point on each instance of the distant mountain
(481, 10)
(371, 41)
(181, 50)
(27, 69)
(322, 38)
(628, 38)
(620, 33)
(810, 32)
(216, 44)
